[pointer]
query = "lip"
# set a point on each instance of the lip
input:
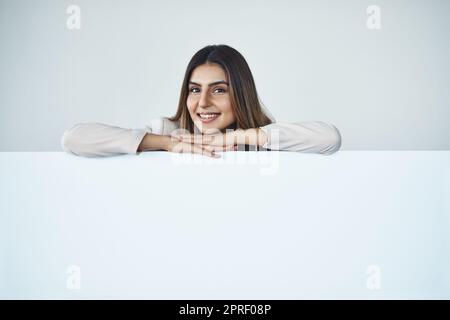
(208, 120)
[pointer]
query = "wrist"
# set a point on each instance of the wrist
(166, 142)
(154, 142)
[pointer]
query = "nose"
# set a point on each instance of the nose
(204, 99)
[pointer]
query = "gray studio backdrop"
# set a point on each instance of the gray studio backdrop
(385, 89)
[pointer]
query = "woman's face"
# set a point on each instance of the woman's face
(209, 101)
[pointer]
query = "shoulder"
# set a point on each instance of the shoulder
(162, 125)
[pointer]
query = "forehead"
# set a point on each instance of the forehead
(206, 73)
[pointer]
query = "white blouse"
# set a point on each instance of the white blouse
(97, 139)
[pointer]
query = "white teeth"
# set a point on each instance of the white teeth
(208, 116)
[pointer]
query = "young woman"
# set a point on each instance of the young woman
(218, 110)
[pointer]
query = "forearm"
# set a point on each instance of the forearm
(305, 136)
(94, 139)
(154, 142)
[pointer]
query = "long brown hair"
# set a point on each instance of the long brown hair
(245, 102)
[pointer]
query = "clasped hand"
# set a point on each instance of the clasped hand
(209, 144)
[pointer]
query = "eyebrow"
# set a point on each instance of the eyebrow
(211, 84)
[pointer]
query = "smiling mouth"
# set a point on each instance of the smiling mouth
(209, 116)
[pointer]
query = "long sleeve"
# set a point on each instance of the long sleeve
(309, 137)
(97, 139)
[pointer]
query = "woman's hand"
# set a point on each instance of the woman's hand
(254, 137)
(176, 144)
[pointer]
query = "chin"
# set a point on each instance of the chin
(205, 127)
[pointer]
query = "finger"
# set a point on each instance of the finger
(209, 151)
(186, 137)
(192, 148)
(181, 136)
(183, 147)
(175, 138)
(217, 141)
(232, 148)
(178, 146)
(197, 139)
(223, 148)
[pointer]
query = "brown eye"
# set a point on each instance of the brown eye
(193, 88)
(220, 89)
